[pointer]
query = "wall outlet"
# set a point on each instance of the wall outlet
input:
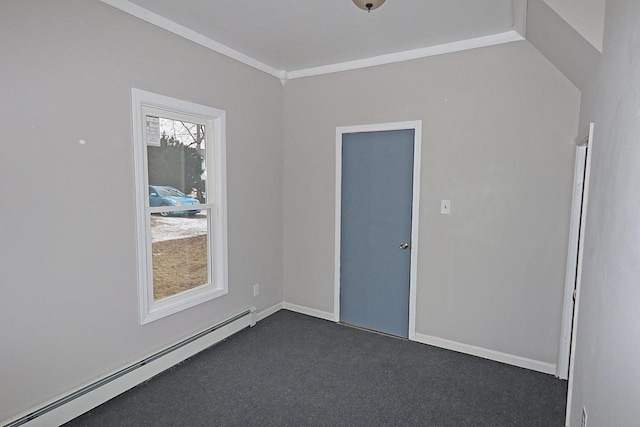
(584, 417)
(445, 207)
(256, 290)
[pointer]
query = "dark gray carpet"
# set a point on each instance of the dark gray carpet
(295, 370)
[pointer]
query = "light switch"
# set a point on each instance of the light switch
(445, 207)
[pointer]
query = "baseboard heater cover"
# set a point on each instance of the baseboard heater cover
(84, 399)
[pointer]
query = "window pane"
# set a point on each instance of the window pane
(175, 162)
(179, 253)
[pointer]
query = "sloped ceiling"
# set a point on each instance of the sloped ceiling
(560, 43)
(585, 16)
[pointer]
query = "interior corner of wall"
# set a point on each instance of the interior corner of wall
(519, 16)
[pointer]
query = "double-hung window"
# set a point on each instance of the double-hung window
(179, 152)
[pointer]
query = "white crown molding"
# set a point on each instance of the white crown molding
(182, 31)
(283, 75)
(441, 49)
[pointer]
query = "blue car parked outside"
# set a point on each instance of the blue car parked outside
(165, 195)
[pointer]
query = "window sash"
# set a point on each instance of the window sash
(201, 206)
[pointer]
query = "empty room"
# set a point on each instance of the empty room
(342, 212)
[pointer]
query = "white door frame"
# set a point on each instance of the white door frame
(585, 138)
(562, 370)
(415, 210)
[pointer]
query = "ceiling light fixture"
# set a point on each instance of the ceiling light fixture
(368, 5)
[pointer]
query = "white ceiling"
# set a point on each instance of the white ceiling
(302, 34)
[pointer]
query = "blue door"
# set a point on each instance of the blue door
(375, 243)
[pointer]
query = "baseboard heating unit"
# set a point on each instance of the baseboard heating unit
(71, 405)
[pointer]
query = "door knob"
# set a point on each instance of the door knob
(404, 245)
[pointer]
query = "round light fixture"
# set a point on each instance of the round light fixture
(368, 5)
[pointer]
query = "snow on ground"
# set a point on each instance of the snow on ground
(177, 227)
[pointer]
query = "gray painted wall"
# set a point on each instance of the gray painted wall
(68, 311)
(499, 125)
(498, 137)
(607, 373)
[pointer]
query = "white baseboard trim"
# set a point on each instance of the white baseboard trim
(76, 402)
(509, 359)
(269, 311)
(309, 311)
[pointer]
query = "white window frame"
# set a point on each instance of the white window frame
(144, 103)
